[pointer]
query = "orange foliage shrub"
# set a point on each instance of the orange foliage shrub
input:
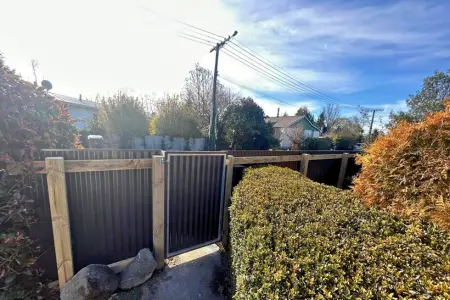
(407, 171)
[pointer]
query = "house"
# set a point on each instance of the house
(82, 110)
(287, 127)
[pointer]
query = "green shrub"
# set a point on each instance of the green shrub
(317, 144)
(344, 143)
(292, 238)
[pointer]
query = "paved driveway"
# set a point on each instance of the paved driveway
(199, 274)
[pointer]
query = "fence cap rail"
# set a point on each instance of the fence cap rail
(284, 158)
(72, 166)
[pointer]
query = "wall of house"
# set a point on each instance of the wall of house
(83, 114)
(308, 131)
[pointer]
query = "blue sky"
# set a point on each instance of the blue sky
(370, 53)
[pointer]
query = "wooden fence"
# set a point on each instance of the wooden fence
(104, 210)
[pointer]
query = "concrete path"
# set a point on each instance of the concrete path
(199, 274)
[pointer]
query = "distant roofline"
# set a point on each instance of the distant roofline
(75, 101)
(294, 121)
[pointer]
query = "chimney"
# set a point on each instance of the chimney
(81, 98)
(278, 112)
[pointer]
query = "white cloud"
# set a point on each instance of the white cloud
(102, 46)
(271, 108)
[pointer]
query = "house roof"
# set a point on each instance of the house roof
(283, 122)
(75, 101)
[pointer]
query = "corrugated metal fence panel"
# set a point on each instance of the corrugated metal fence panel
(42, 230)
(294, 165)
(323, 171)
(352, 170)
(194, 205)
(110, 211)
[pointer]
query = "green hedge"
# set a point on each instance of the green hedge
(344, 143)
(317, 144)
(292, 238)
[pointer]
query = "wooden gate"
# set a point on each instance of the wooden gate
(195, 184)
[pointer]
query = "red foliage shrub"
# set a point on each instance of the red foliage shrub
(29, 120)
(407, 171)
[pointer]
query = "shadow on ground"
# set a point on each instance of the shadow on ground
(199, 274)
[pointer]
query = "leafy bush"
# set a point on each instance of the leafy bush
(174, 118)
(317, 144)
(29, 120)
(344, 143)
(244, 127)
(122, 115)
(407, 171)
(292, 238)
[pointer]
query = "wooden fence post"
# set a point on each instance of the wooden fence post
(158, 209)
(57, 193)
(227, 201)
(304, 165)
(344, 162)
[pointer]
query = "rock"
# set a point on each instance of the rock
(138, 271)
(92, 282)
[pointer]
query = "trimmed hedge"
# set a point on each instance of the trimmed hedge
(317, 144)
(344, 143)
(292, 238)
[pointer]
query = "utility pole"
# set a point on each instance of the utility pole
(213, 118)
(373, 110)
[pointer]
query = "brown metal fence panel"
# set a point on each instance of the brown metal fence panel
(110, 211)
(294, 165)
(194, 200)
(323, 171)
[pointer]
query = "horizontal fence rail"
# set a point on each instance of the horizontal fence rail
(72, 166)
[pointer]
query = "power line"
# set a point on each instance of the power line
(281, 102)
(280, 76)
(181, 34)
(183, 23)
(265, 74)
(200, 42)
(280, 70)
(284, 78)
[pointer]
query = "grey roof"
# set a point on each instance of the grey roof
(283, 122)
(75, 101)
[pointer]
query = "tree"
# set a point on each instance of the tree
(173, 118)
(331, 112)
(321, 120)
(124, 116)
(245, 127)
(428, 100)
(197, 92)
(295, 136)
(304, 111)
(347, 128)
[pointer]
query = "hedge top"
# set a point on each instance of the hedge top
(292, 238)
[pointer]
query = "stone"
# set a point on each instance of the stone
(138, 271)
(91, 282)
